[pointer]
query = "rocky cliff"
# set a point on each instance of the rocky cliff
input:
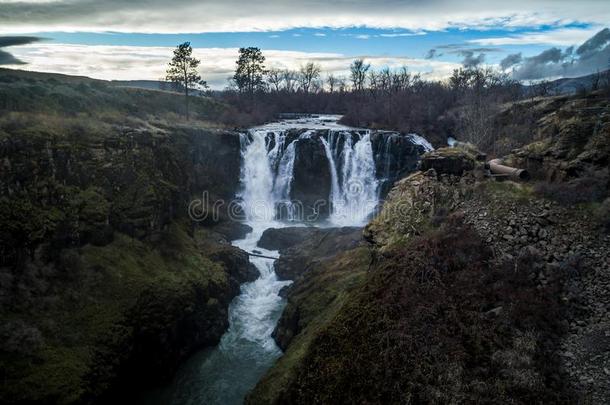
(106, 283)
(469, 288)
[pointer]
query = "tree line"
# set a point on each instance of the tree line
(385, 98)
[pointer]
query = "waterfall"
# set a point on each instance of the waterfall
(355, 197)
(257, 177)
(358, 175)
(224, 374)
(268, 173)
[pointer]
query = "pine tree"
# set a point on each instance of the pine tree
(182, 70)
(250, 71)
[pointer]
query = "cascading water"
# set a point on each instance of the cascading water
(356, 195)
(224, 374)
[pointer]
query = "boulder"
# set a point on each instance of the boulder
(283, 238)
(454, 161)
(297, 259)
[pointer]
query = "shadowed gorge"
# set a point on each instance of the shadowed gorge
(278, 203)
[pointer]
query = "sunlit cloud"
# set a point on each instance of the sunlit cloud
(559, 37)
(217, 64)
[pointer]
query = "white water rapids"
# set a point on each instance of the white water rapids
(224, 374)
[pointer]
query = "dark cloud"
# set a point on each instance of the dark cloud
(8, 59)
(552, 55)
(485, 50)
(595, 43)
(470, 60)
(592, 56)
(12, 41)
(451, 46)
(511, 60)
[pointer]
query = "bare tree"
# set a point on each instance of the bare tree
(290, 80)
(358, 71)
(308, 73)
(332, 83)
(275, 77)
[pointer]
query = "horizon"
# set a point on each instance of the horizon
(114, 41)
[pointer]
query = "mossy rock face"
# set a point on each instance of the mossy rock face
(105, 282)
(412, 205)
(126, 316)
(453, 161)
(411, 331)
(571, 140)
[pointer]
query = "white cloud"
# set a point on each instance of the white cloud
(559, 37)
(403, 34)
(217, 64)
(319, 34)
(188, 16)
(362, 36)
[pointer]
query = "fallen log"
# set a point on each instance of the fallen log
(263, 256)
(497, 168)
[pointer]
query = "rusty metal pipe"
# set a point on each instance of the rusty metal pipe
(496, 167)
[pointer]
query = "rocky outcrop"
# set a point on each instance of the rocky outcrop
(451, 161)
(414, 203)
(571, 139)
(311, 182)
(283, 238)
(107, 280)
(296, 260)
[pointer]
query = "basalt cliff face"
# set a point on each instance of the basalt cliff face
(106, 283)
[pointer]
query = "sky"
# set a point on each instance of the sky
(131, 40)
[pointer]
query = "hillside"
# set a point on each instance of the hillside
(466, 289)
(105, 281)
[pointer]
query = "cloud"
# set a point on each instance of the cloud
(192, 16)
(593, 55)
(432, 53)
(511, 60)
(470, 60)
(362, 36)
(403, 34)
(558, 37)
(137, 63)
(8, 59)
(595, 43)
(319, 34)
(463, 50)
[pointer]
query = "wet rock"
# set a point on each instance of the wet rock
(283, 238)
(232, 230)
(311, 181)
(297, 259)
